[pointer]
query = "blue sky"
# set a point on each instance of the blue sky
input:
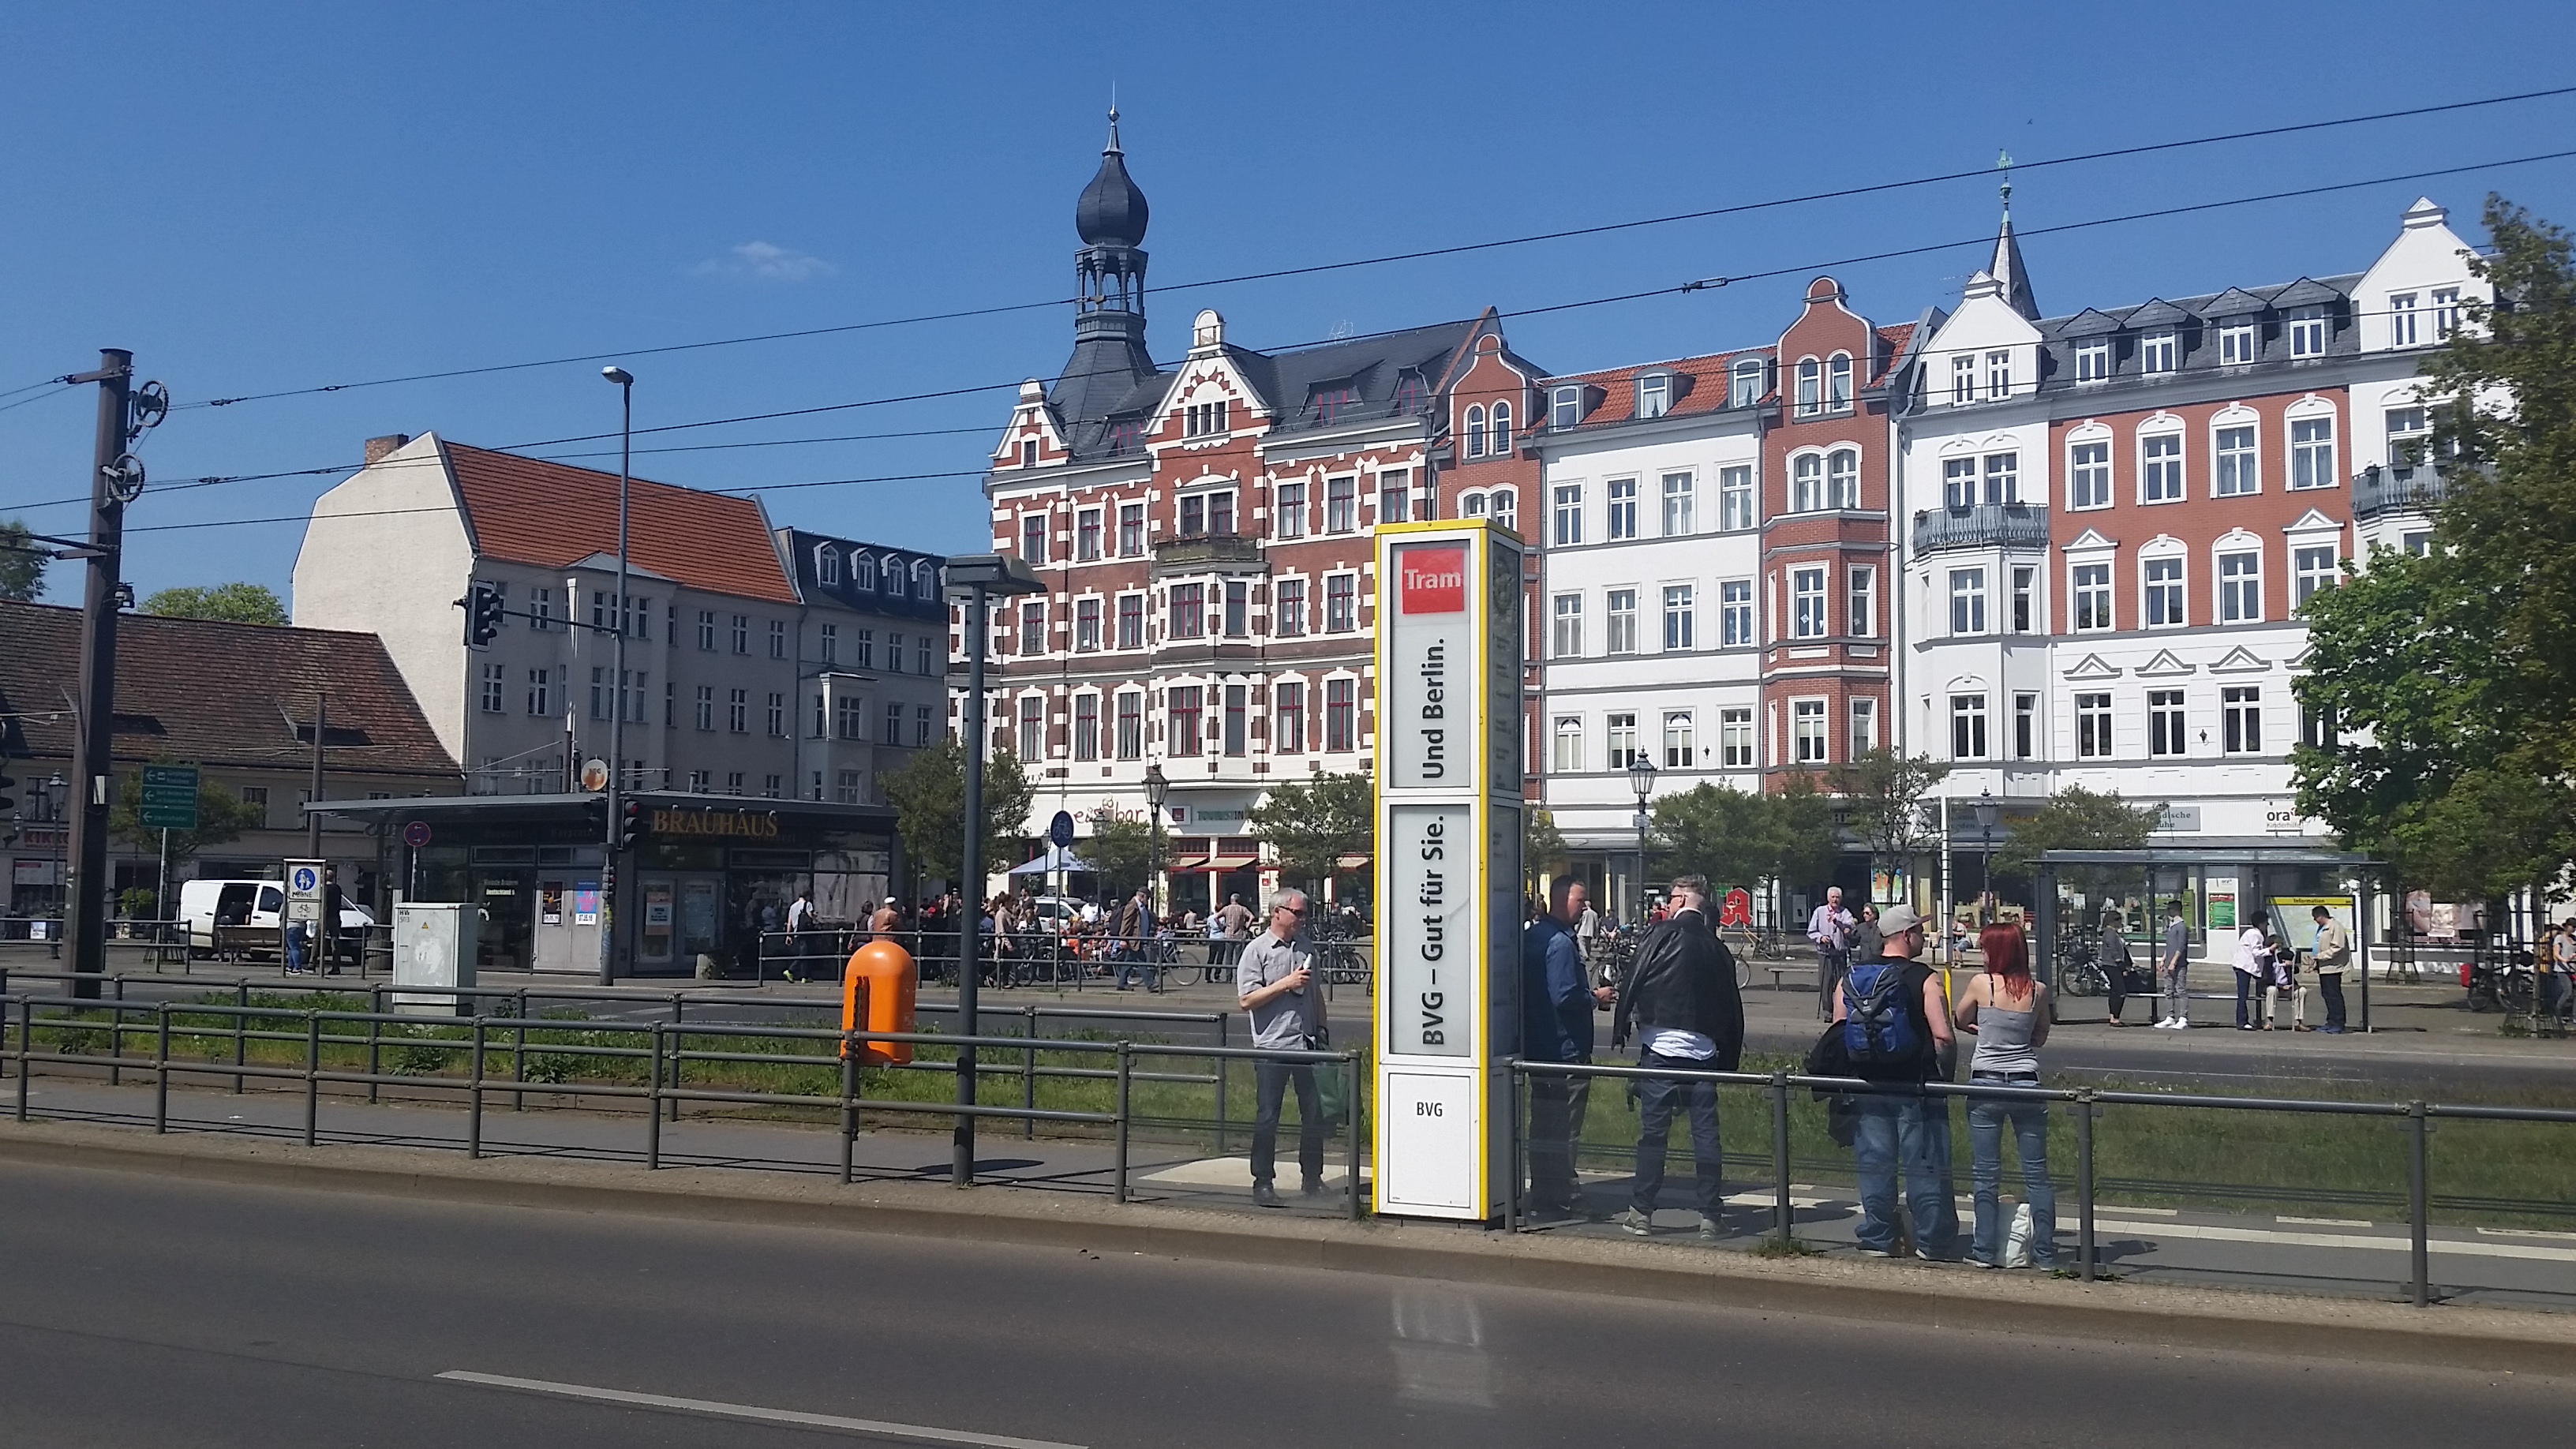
(263, 197)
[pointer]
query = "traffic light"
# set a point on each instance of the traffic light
(8, 802)
(630, 823)
(484, 610)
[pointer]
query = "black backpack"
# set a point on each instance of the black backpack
(1879, 1032)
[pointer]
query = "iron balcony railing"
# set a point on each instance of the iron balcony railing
(1981, 525)
(2406, 488)
(1225, 552)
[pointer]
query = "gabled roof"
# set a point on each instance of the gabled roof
(2306, 292)
(2156, 313)
(2234, 302)
(197, 691)
(524, 510)
(1702, 380)
(2091, 322)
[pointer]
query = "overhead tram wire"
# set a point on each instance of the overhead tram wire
(1458, 249)
(1680, 288)
(308, 517)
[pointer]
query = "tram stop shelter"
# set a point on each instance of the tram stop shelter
(2220, 884)
(687, 894)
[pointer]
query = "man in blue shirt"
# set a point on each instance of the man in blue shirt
(1557, 1003)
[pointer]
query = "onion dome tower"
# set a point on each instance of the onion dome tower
(1109, 358)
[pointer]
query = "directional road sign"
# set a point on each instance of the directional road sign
(169, 797)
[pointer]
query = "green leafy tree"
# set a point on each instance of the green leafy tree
(1804, 838)
(2078, 819)
(22, 570)
(1542, 844)
(1310, 825)
(222, 817)
(929, 797)
(234, 603)
(1121, 851)
(1882, 795)
(1713, 830)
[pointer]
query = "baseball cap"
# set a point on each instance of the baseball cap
(1898, 919)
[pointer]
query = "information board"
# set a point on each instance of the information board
(169, 798)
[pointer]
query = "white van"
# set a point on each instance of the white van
(244, 903)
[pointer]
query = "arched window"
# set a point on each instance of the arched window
(1838, 382)
(1842, 479)
(863, 570)
(894, 578)
(1503, 506)
(1502, 430)
(1810, 387)
(1745, 386)
(1471, 505)
(827, 566)
(925, 580)
(1475, 432)
(1806, 483)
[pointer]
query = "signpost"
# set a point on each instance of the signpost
(169, 797)
(1449, 650)
(304, 893)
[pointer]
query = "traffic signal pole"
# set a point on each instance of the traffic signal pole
(93, 767)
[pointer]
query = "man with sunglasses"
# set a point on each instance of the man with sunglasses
(1274, 985)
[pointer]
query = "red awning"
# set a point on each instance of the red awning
(1353, 862)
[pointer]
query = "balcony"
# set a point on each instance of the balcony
(1982, 525)
(2408, 488)
(1200, 553)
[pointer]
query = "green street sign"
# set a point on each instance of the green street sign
(169, 797)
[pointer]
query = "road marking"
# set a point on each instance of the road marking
(752, 1411)
(2327, 1222)
(2524, 1233)
(2339, 1240)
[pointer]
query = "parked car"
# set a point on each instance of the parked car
(244, 903)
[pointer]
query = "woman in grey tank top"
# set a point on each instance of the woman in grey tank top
(2007, 1012)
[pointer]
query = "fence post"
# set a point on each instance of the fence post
(1126, 1055)
(474, 1096)
(1029, 1072)
(312, 1074)
(375, 1035)
(2084, 1181)
(653, 1101)
(679, 1044)
(1351, 1128)
(161, 1075)
(519, 1053)
(1519, 1082)
(116, 1034)
(241, 1014)
(2418, 1202)
(1224, 1069)
(1781, 1216)
(26, 1050)
(849, 1101)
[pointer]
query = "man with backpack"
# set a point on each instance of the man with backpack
(1896, 1030)
(1681, 995)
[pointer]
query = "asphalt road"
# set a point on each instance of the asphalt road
(141, 1311)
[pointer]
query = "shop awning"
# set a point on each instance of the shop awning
(1055, 860)
(1206, 863)
(1353, 862)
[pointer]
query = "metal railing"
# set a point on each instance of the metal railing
(2087, 1101)
(1981, 525)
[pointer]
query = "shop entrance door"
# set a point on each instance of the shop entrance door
(564, 936)
(682, 920)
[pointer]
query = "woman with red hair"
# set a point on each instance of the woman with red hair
(2007, 1012)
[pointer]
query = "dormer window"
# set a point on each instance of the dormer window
(2093, 360)
(2236, 344)
(2401, 319)
(827, 566)
(1963, 379)
(863, 571)
(2308, 332)
(1838, 382)
(1475, 432)
(1412, 394)
(1333, 401)
(1125, 434)
(926, 582)
(1811, 387)
(894, 578)
(1204, 420)
(1999, 374)
(1744, 383)
(2158, 351)
(1654, 394)
(1565, 408)
(1502, 430)
(2446, 313)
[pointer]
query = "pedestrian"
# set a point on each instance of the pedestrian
(1557, 1004)
(1587, 929)
(1135, 930)
(1896, 1029)
(331, 937)
(1682, 999)
(800, 927)
(2173, 969)
(885, 922)
(1829, 926)
(2281, 983)
(293, 938)
(2007, 1012)
(2332, 954)
(1238, 922)
(2111, 956)
(1866, 942)
(1270, 985)
(2251, 944)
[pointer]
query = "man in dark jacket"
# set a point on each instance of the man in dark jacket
(1556, 1026)
(1682, 998)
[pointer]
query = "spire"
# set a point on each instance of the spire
(2007, 268)
(1112, 211)
(1112, 149)
(1109, 358)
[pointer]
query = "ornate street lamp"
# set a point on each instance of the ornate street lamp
(1641, 781)
(1987, 811)
(1156, 788)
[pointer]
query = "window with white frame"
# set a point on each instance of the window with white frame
(1288, 509)
(1565, 627)
(1565, 408)
(1086, 625)
(1288, 608)
(1131, 627)
(1807, 731)
(1654, 394)
(1503, 506)
(540, 693)
(1735, 498)
(1566, 514)
(1967, 726)
(1842, 479)
(496, 687)
(1185, 721)
(1678, 740)
(2093, 359)
(1341, 504)
(2238, 472)
(2093, 726)
(2240, 719)
(1999, 375)
(1086, 726)
(2157, 352)
(1623, 508)
(1807, 603)
(2240, 588)
(2317, 729)
(1622, 731)
(1806, 483)
(1838, 382)
(2090, 584)
(2446, 313)
(1678, 490)
(1735, 739)
(1681, 617)
(1187, 618)
(2160, 478)
(2025, 598)
(1963, 378)
(1811, 387)
(2401, 319)
(1204, 420)
(2313, 569)
(1471, 505)
(1033, 628)
(1131, 724)
(1860, 602)
(2088, 474)
(1395, 495)
(827, 566)
(1566, 757)
(2003, 477)
(1131, 530)
(1967, 601)
(1502, 430)
(1621, 616)
(2312, 452)
(2164, 592)
(2308, 332)
(863, 572)
(1288, 718)
(1735, 613)
(2236, 344)
(1476, 431)
(1864, 727)
(1958, 483)
(1744, 383)
(707, 707)
(1033, 537)
(1341, 603)
(1086, 534)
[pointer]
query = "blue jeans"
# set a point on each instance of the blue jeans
(1914, 1132)
(1986, 1119)
(294, 938)
(1656, 1098)
(2247, 994)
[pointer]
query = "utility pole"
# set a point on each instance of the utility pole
(312, 810)
(624, 381)
(115, 479)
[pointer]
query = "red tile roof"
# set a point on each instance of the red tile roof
(1706, 393)
(203, 692)
(1891, 349)
(550, 515)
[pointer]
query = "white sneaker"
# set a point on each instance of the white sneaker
(2182, 1023)
(2165, 1025)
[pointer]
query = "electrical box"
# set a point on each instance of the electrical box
(433, 946)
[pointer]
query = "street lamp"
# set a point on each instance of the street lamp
(1641, 780)
(625, 384)
(1156, 789)
(1986, 812)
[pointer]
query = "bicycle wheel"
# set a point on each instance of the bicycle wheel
(1743, 972)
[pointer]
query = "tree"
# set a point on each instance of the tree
(1542, 844)
(2078, 819)
(22, 570)
(222, 816)
(1804, 840)
(1311, 825)
(1713, 830)
(234, 603)
(1120, 851)
(929, 797)
(1883, 800)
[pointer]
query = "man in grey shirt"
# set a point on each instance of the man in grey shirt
(2176, 965)
(1272, 983)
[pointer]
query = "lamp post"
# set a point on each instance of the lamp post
(1986, 812)
(1641, 780)
(625, 383)
(1157, 789)
(57, 791)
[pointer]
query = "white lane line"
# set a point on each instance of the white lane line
(2326, 1222)
(2525, 1233)
(2214, 1233)
(752, 1411)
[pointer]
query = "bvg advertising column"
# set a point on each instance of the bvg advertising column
(1449, 624)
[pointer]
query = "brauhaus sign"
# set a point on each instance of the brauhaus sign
(1450, 617)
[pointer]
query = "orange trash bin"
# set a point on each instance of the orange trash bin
(876, 995)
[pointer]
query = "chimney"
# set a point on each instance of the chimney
(379, 449)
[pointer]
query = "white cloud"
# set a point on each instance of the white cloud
(766, 261)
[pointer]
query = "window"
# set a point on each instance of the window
(1236, 714)
(1807, 731)
(1193, 515)
(2164, 723)
(1412, 394)
(1678, 752)
(541, 610)
(1288, 719)
(1744, 383)
(2089, 475)
(1033, 628)
(706, 706)
(1568, 514)
(2311, 571)
(1288, 608)
(2317, 728)
(2409, 429)
(1086, 535)
(2446, 313)
(540, 697)
(1963, 378)
(1807, 604)
(1654, 394)
(1341, 504)
(2157, 352)
(1033, 537)
(2091, 585)
(2160, 468)
(777, 715)
(496, 686)
(738, 711)
(1967, 726)
(2238, 472)
(2025, 587)
(1131, 530)
(1341, 714)
(2401, 319)
(1201, 420)
(1289, 503)
(849, 716)
(1838, 382)
(1475, 432)
(828, 640)
(1811, 387)
(863, 572)
(2092, 726)
(1998, 375)
(920, 654)
(1842, 479)
(2240, 588)
(1238, 608)
(1031, 744)
(2308, 332)
(1503, 506)
(920, 725)
(2093, 359)
(2025, 726)
(1028, 452)
(1567, 755)
(2003, 477)
(1086, 726)
(863, 648)
(1341, 603)
(1623, 508)
(1188, 618)
(1182, 734)
(1565, 629)
(1131, 724)
(2312, 453)
(1678, 521)
(1679, 616)
(1735, 614)
(1334, 401)
(1806, 483)
(742, 633)
(1967, 601)
(2164, 593)
(1131, 621)
(1735, 738)
(1622, 729)
(1622, 620)
(1861, 603)
(827, 565)
(700, 782)
(1394, 494)
(1735, 498)
(1864, 727)
(2240, 718)
(2236, 344)
(670, 705)
(1086, 625)
(1565, 408)
(818, 717)
(1502, 430)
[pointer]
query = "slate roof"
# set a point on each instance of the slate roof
(2196, 320)
(201, 692)
(801, 549)
(552, 515)
(1704, 381)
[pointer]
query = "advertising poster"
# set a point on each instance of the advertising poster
(585, 903)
